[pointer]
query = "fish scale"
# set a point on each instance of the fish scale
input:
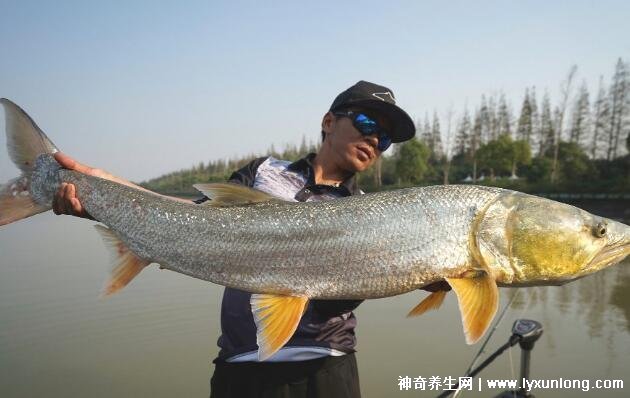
(354, 247)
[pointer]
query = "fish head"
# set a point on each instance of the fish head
(528, 240)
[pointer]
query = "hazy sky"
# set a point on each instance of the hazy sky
(141, 90)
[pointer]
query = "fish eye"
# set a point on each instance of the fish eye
(600, 230)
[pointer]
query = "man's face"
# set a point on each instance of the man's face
(353, 151)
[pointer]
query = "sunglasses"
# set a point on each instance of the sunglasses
(368, 126)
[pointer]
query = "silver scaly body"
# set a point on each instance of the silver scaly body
(367, 246)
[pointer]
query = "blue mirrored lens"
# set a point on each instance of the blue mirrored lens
(368, 126)
(383, 142)
(365, 125)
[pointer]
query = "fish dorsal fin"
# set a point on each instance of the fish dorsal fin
(276, 319)
(431, 302)
(478, 298)
(226, 194)
(126, 264)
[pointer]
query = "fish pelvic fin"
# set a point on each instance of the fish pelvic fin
(478, 298)
(226, 194)
(25, 142)
(276, 319)
(431, 302)
(126, 264)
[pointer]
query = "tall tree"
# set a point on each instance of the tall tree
(424, 133)
(601, 113)
(446, 168)
(426, 126)
(419, 129)
(462, 139)
(533, 103)
(547, 133)
(524, 128)
(565, 91)
(580, 117)
(486, 123)
(504, 116)
(475, 142)
(618, 108)
(436, 137)
(493, 119)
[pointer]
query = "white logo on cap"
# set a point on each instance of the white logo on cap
(386, 94)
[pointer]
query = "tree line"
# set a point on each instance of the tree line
(579, 144)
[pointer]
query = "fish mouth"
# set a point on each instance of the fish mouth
(609, 256)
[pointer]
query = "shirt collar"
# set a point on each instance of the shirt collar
(305, 166)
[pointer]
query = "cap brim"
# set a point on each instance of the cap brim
(404, 128)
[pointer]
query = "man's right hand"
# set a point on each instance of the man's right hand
(66, 200)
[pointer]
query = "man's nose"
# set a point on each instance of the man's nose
(372, 140)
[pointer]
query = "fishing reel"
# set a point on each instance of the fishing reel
(525, 332)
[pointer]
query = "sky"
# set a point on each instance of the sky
(141, 89)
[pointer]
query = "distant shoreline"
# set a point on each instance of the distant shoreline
(610, 205)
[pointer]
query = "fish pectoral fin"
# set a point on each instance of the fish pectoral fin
(478, 298)
(126, 264)
(226, 194)
(431, 302)
(276, 319)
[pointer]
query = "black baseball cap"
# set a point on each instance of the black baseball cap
(372, 96)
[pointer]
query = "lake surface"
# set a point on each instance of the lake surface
(158, 336)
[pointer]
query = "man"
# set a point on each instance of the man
(318, 361)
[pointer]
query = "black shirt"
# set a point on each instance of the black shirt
(327, 326)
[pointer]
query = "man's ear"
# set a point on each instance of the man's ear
(328, 122)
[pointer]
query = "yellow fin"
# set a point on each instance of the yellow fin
(226, 194)
(478, 299)
(276, 319)
(431, 302)
(126, 264)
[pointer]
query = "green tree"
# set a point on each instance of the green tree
(580, 116)
(539, 170)
(503, 155)
(535, 117)
(412, 161)
(505, 117)
(524, 128)
(575, 166)
(521, 154)
(496, 156)
(437, 148)
(601, 115)
(462, 137)
(618, 108)
(486, 123)
(547, 133)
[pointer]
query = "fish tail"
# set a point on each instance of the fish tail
(25, 142)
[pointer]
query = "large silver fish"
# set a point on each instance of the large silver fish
(360, 247)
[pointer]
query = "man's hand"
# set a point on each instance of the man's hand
(65, 200)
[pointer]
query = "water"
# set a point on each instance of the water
(158, 336)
